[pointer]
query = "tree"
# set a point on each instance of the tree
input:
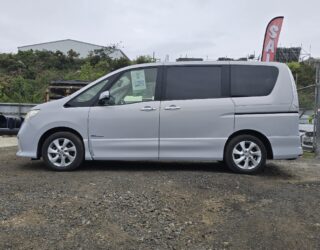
(24, 76)
(89, 73)
(72, 54)
(304, 75)
(144, 59)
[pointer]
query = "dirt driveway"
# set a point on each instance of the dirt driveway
(112, 205)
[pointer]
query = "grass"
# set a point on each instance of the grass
(308, 155)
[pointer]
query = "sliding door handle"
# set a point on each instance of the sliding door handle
(172, 107)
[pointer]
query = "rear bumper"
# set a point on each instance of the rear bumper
(285, 147)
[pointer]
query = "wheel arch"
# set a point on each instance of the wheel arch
(255, 133)
(52, 131)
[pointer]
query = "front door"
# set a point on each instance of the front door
(127, 126)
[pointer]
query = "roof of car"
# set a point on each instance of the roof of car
(205, 63)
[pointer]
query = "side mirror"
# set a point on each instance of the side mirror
(105, 95)
(105, 98)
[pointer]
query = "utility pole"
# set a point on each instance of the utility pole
(317, 112)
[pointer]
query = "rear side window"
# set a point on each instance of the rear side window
(252, 80)
(193, 82)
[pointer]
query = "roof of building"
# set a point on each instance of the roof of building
(72, 40)
(58, 41)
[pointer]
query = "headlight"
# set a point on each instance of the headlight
(31, 113)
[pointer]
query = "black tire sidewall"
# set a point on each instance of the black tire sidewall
(78, 144)
(229, 159)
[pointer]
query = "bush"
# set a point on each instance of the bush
(25, 76)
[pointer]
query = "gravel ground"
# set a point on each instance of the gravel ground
(112, 205)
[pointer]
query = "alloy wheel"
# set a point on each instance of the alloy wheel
(246, 155)
(62, 152)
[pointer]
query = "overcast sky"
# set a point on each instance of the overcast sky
(196, 28)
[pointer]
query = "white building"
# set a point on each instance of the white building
(64, 46)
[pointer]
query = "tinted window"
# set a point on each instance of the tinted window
(193, 82)
(252, 80)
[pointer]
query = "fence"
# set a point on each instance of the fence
(11, 116)
(18, 109)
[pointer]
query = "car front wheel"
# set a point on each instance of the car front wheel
(63, 151)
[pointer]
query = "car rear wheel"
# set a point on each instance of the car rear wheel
(245, 154)
(63, 151)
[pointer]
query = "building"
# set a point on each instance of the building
(232, 59)
(64, 46)
(189, 59)
(286, 55)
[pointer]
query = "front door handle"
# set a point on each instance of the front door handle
(148, 108)
(172, 107)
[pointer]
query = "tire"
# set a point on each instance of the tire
(240, 159)
(63, 151)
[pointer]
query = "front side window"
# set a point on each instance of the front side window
(193, 82)
(133, 86)
(87, 97)
(91, 92)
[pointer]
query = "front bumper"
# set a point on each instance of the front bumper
(27, 141)
(307, 142)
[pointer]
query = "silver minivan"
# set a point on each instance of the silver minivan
(242, 113)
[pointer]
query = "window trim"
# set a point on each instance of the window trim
(225, 80)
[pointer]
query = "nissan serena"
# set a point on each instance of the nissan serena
(242, 113)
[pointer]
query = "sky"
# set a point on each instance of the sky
(194, 28)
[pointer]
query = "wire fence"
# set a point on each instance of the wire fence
(307, 97)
